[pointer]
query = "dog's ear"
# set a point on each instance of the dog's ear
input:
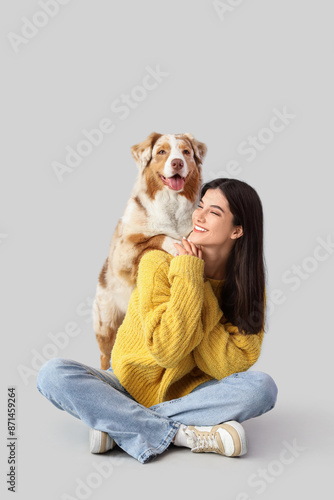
(199, 148)
(142, 152)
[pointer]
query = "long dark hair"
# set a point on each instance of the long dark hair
(243, 294)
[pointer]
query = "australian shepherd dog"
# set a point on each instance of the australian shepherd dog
(158, 213)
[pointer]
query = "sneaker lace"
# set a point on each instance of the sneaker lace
(202, 441)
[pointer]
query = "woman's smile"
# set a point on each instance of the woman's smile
(199, 229)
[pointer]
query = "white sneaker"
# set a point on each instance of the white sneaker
(100, 442)
(227, 439)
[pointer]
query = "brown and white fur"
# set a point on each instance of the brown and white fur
(157, 214)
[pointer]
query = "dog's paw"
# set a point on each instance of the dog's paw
(168, 246)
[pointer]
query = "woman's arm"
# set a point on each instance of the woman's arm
(170, 305)
(223, 350)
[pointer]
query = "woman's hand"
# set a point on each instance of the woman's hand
(188, 248)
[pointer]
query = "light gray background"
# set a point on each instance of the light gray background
(225, 77)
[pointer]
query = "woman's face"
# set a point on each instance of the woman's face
(213, 214)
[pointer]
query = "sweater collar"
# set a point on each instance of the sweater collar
(216, 284)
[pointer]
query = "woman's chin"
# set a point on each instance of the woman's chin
(193, 237)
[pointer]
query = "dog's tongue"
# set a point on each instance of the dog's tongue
(176, 182)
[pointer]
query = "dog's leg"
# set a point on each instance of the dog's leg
(107, 319)
(106, 340)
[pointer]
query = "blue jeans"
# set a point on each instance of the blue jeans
(97, 398)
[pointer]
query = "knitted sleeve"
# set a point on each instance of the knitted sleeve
(170, 305)
(223, 350)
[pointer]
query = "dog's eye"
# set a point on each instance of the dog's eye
(161, 152)
(186, 152)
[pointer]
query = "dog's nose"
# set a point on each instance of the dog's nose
(177, 164)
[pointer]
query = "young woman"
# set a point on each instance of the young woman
(193, 328)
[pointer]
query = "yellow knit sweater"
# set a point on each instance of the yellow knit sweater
(174, 335)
